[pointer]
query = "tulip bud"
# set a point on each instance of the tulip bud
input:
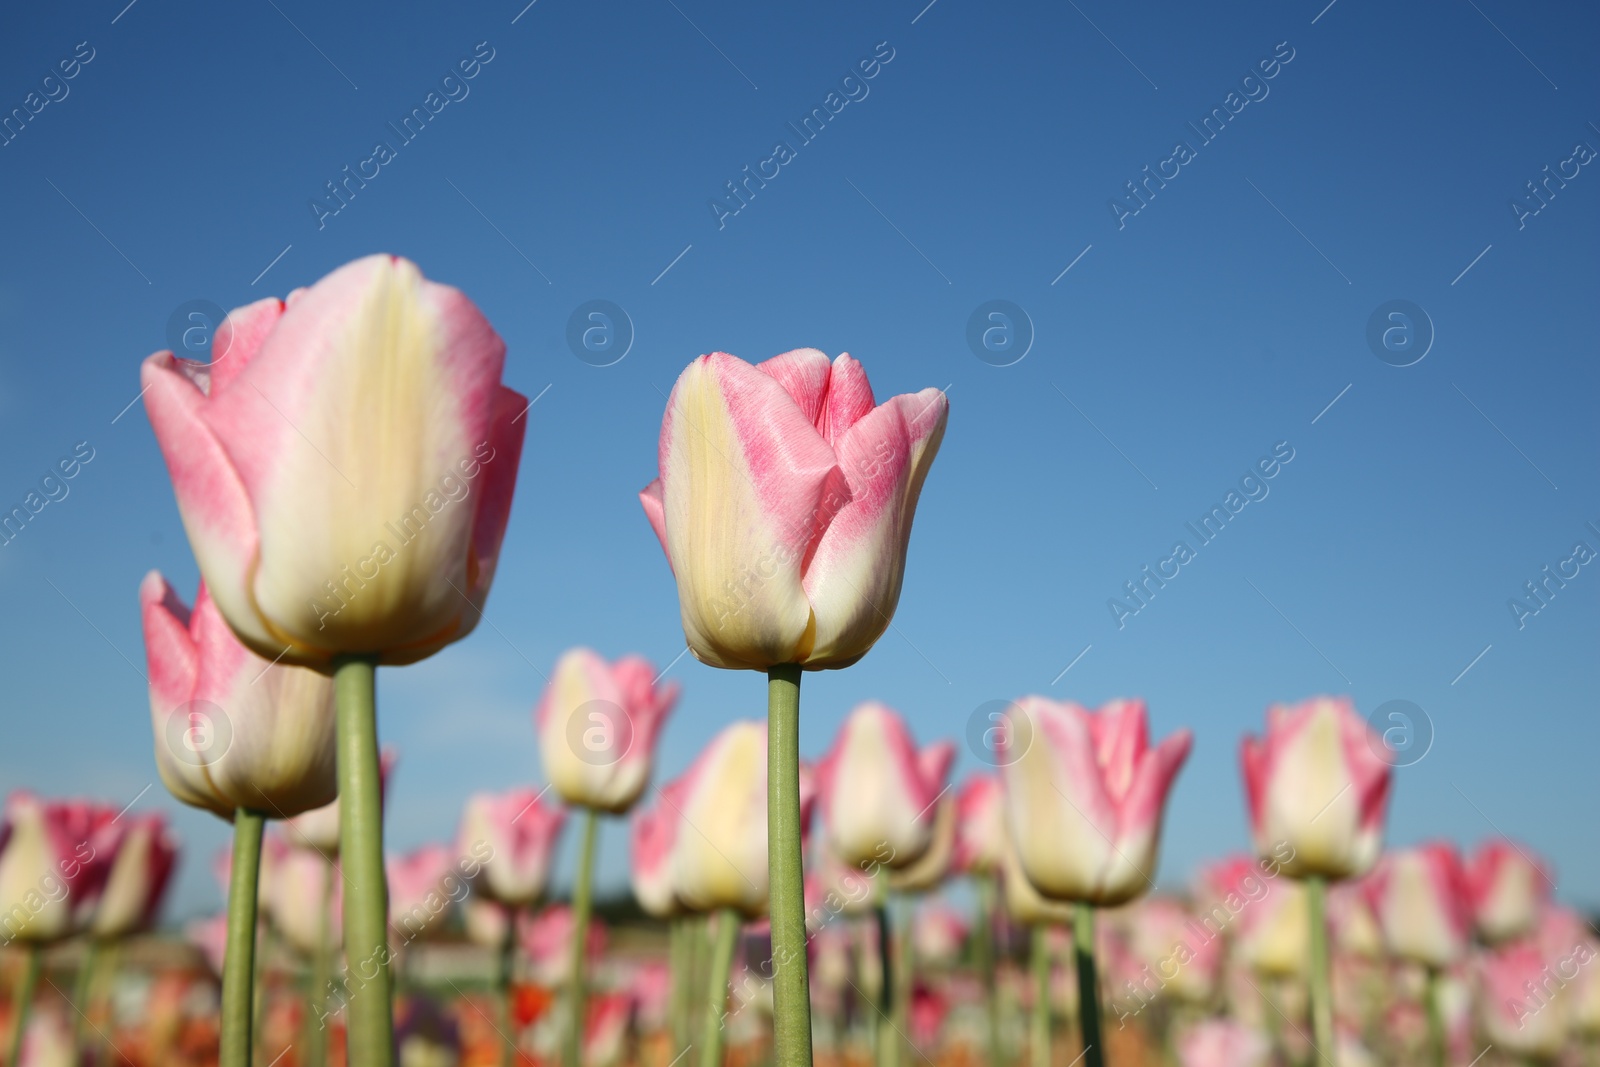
(54, 860)
(1419, 895)
(1223, 1043)
(1085, 798)
(546, 940)
(344, 465)
(597, 725)
(1315, 780)
(785, 504)
(1507, 887)
(1185, 956)
(232, 730)
(878, 791)
(304, 882)
(422, 886)
(980, 825)
(486, 922)
(1268, 917)
(506, 843)
(138, 878)
(651, 839)
(938, 933)
(319, 827)
(1024, 904)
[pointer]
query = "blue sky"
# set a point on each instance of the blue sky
(1379, 162)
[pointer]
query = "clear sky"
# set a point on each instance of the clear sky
(1172, 348)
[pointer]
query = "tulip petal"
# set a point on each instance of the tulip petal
(655, 512)
(849, 399)
(1121, 735)
(1058, 811)
(238, 339)
(496, 462)
(745, 470)
(853, 578)
(804, 374)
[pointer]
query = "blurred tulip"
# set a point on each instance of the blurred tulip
(1317, 782)
(1223, 1043)
(210, 936)
(1523, 1005)
(1507, 886)
(1085, 797)
(720, 860)
(486, 922)
(296, 897)
(930, 869)
(546, 939)
(1352, 923)
(319, 827)
(605, 1030)
(423, 884)
(785, 504)
(232, 730)
(938, 934)
(1586, 991)
(49, 1041)
(877, 791)
(507, 842)
(138, 878)
(928, 1010)
(1419, 896)
(344, 465)
(597, 724)
(653, 832)
(1023, 903)
(55, 856)
(1266, 915)
(980, 825)
(1184, 957)
(649, 986)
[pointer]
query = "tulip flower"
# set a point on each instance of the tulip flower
(1507, 887)
(1263, 913)
(784, 504)
(598, 723)
(652, 833)
(1523, 1005)
(1182, 957)
(138, 878)
(344, 469)
(548, 940)
(1317, 781)
(508, 841)
(938, 933)
(877, 790)
(1223, 1043)
(210, 936)
(1419, 895)
(232, 730)
(319, 827)
(930, 870)
(295, 898)
(980, 825)
(422, 885)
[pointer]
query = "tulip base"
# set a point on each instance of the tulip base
(727, 938)
(239, 958)
(791, 982)
(1094, 1053)
(1321, 979)
(582, 890)
(370, 1007)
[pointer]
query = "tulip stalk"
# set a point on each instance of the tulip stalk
(22, 998)
(1088, 985)
(321, 977)
(582, 891)
(83, 992)
(726, 939)
(505, 964)
(678, 962)
(238, 961)
(791, 991)
(901, 984)
(1039, 1022)
(1321, 984)
(370, 1023)
(983, 949)
(1436, 1035)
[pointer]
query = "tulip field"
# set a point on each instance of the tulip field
(590, 572)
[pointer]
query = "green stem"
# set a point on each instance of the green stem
(680, 949)
(791, 992)
(83, 993)
(507, 962)
(1436, 1036)
(888, 1045)
(581, 892)
(321, 976)
(902, 981)
(370, 1003)
(1039, 1032)
(983, 944)
(239, 959)
(1094, 1053)
(22, 998)
(727, 936)
(1321, 974)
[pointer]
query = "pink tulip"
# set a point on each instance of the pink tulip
(138, 878)
(319, 827)
(598, 723)
(785, 504)
(49, 1041)
(546, 940)
(877, 791)
(1507, 886)
(980, 825)
(929, 1010)
(508, 841)
(303, 883)
(1525, 1003)
(1182, 957)
(605, 1029)
(232, 730)
(55, 857)
(1419, 895)
(719, 854)
(653, 832)
(486, 922)
(210, 936)
(344, 465)
(929, 870)
(1024, 904)
(649, 986)
(1265, 915)
(1316, 781)
(423, 884)
(1223, 1043)
(1085, 797)
(938, 933)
